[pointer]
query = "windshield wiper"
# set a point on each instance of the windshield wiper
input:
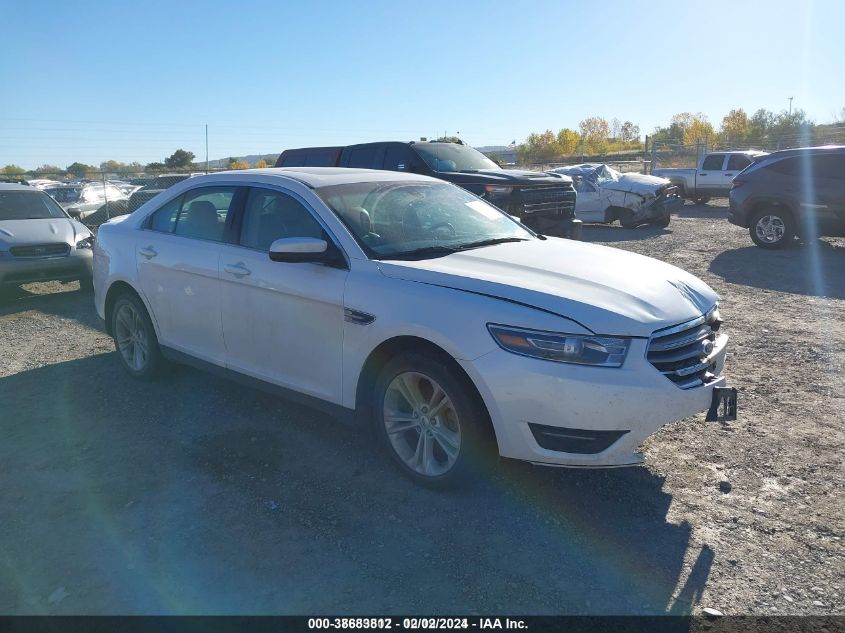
(422, 253)
(490, 242)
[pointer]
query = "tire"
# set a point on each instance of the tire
(140, 354)
(86, 285)
(626, 219)
(662, 222)
(439, 451)
(701, 200)
(772, 228)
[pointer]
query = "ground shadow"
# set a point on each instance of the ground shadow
(813, 268)
(605, 233)
(197, 495)
(64, 300)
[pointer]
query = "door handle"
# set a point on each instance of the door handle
(702, 174)
(729, 175)
(149, 252)
(238, 270)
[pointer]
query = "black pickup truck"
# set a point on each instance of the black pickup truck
(544, 202)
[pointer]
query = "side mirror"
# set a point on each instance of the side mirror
(299, 249)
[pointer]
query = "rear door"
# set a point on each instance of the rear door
(735, 164)
(177, 258)
(708, 180)
(829, 184)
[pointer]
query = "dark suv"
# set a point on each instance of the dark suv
(795, 192)
(544, 202)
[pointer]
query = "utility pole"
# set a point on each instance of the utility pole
(790, 106)
(206, 148)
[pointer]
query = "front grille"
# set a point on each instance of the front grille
(41, 250)
(685, 353)
(554, 200)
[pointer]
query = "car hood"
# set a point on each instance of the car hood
(636, 183)
(518, 176)
(607, 290)
(46, 231)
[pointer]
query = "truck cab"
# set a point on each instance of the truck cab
(712, 177)
(544, 202)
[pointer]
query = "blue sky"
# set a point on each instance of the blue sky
(92, 81)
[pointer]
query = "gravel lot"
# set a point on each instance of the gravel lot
(196, 495)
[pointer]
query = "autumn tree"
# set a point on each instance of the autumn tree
(14, 170)
(629, 132)
(567, 141)
(594, 134)
(238, 164)
(261, 164)
(734, 128)
(49, 170)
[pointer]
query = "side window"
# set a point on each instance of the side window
(363, 157)
(713, 162)
(294, 160)
(271, 215)
(324, 158)
(581, 185)
(787, 166)
(400, 158)
(164, 219)
(831, 166)
(738, 162)
(203, 213)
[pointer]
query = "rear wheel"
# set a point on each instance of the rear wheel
(772, 228)
(135, 338)
(429, 420)
(662, 222)
(702, 200)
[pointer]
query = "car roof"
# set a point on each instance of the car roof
(8, 186)
(316, 177)
(798, 151)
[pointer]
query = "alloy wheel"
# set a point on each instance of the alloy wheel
(770, 229)
(131, 337)
(422, 424)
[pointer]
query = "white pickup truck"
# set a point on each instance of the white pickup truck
(713, 176)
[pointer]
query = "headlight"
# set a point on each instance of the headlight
(599, 351)
(87, 242)
(496, 189)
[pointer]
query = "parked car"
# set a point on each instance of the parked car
(39, 241)
(408, 303)
(83, 200)
(712, 177)
(154, 187)
(795, 192)
(545, 202)
(606, 195)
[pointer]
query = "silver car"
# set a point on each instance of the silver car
(38, 241)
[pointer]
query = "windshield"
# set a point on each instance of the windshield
(399, 219)
(453, 157)
(28, 205)
(605, 174)
(64, 194)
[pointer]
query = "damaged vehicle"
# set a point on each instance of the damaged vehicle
(606, 195)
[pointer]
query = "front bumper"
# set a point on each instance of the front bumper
(78, 264)
(630, 403)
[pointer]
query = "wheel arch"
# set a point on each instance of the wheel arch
(117, 288)
(394, 346)
(773, 203)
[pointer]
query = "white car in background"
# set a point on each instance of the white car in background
(606, 195)
(39, 242)
(410, 304)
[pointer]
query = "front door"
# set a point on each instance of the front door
(708, 180)
(282, 322)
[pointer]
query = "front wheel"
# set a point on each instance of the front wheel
(702, 200)
(662, 222)
(772, 228)
(135, 338)
(429, 420)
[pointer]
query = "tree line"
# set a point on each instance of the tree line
(180, 160)
(763, 129)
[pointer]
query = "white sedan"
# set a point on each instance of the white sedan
(408, 303)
